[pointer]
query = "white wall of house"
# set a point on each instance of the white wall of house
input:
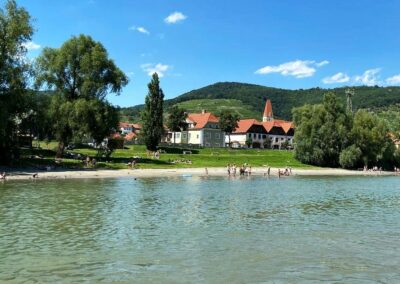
(236, 138)
(276, 140)
(126, 130)
(195, 136)
(211, 136)
(178, 137)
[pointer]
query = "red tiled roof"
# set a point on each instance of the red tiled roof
(127, 124)
(268, 109)
(245, 124)
(285, 125)
(130, 136)
(201, 119)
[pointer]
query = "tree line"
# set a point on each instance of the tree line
(79, 75)
(328, 135)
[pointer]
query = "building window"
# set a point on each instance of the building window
(197, 136)
(276, 139)
(216, 144)
(177, 135)
(208, 135)
(217, 135)
(264, 136)
(190, 135)
(282, 139)
(207, 144)
(184, 136)
(259, 136)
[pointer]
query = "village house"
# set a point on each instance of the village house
(126, 127)
(249, 133)
(203, 130)
(271, 133)
(130, 131)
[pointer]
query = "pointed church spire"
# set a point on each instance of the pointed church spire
(268, 115)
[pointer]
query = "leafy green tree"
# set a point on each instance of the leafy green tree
(268, 143)
(177, 119)
(15, 30)
(228, 122)
(371, 135)
(322, 132)
(152, 115)
(350, 157)
(82, 75)
(285, 145)
(37, 121)
(249, 142)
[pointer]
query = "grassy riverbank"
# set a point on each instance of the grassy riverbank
(169, 158)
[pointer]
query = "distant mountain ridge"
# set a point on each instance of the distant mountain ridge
(253, 97)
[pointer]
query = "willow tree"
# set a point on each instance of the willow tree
(152, 115)
(322, 132)
(15, 30)
(82, 75)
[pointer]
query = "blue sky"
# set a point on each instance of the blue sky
(285, 44)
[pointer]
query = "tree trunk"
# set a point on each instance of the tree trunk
(60, 150)
(229, 140)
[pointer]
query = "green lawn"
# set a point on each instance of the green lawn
(215, 157)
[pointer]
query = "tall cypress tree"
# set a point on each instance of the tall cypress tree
(152, 115)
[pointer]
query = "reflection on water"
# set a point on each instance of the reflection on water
(201, 230)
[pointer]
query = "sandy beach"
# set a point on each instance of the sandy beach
(139, 173)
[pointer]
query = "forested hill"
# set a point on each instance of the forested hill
(253, 97)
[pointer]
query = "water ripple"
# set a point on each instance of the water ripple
(201, 230)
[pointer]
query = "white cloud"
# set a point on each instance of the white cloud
(159, 68)
(140, 30)
(369, 77)
(337, 78)
(394, 80)
(322, 63)
(297, 68)
(30, 45)
(175, 18)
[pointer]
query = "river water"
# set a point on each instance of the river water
(201, 230)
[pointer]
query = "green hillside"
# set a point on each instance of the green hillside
(218, 105)
(253, 97)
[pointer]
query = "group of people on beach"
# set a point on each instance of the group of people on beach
(245, 169)
(89, 162)
(286, 172)
(375, 169)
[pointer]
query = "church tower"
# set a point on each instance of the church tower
(268, 114)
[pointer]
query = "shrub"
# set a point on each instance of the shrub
(350, 157)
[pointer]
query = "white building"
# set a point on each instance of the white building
(203, 130)
(254, 134)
